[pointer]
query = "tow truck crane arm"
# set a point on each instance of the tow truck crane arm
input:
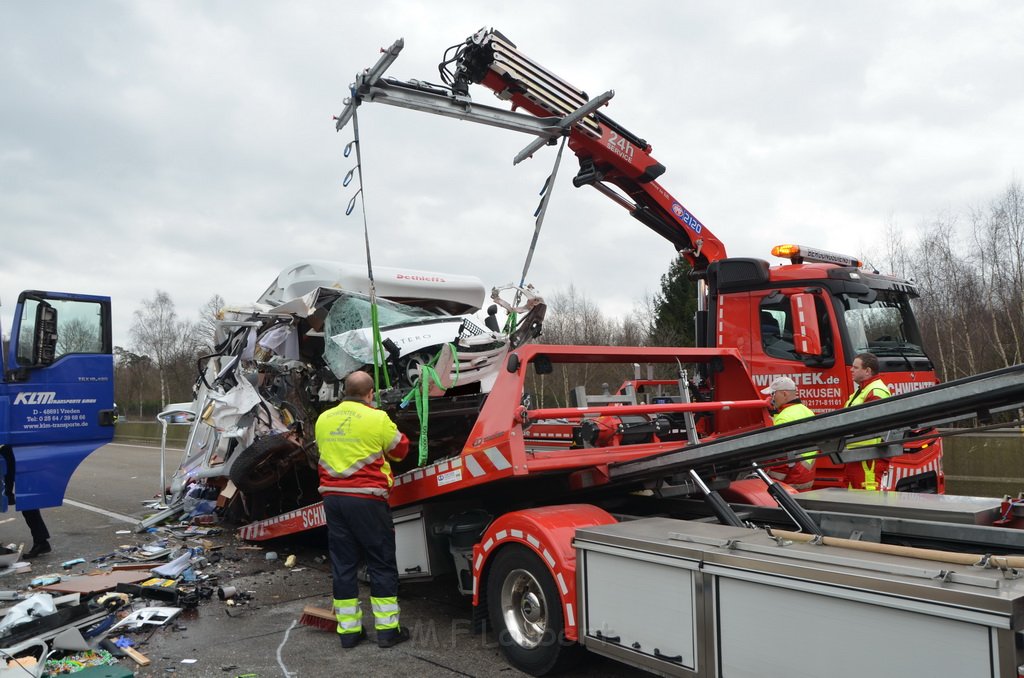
(613, 160)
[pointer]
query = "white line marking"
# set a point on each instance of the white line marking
(155, 448)
(95, 509)
(280, 662)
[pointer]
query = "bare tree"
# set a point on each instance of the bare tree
(209, 314)
(133, 378)
(998, 236)
(574, 319)
(971, 281)
(156, 332)
(77, 336)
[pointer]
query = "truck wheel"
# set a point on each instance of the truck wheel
(261, 465)
(526, 613)
(409, 367)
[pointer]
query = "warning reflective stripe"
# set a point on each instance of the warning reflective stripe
(355, 467)
(385, 622)
(497, 458)
(394, 441)
(331, 489)
(385, 612)
(474, 467)
(348, 614)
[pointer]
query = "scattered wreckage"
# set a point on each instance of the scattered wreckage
(83, 614)
(282, 360)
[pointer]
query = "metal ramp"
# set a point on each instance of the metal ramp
(978, 396)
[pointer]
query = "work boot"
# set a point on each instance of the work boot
(38, 549)
(392, 637)
(350, 640)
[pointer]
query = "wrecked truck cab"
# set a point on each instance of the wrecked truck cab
(279, 362)
(412, 336)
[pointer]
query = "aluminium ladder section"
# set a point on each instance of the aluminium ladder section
(370, 85)
(979, 395)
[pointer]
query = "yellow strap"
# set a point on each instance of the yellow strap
(869, 475)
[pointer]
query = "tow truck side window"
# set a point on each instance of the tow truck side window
(79, 329)
(776, 319)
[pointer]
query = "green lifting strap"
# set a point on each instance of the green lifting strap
(510, 323)
(379, 354)
(420, 394)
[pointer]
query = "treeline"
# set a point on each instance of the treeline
(969, 269)
(160, 365)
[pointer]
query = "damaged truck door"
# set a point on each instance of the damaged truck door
(56, 394)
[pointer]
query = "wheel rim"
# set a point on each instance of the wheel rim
(524, 608)
(412, 367)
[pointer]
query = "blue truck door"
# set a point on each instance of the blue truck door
(57, 395)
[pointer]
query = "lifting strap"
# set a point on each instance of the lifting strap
(420, 395)
(542, 209)
(539, 213)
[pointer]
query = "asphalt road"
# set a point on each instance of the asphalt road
(263, 636)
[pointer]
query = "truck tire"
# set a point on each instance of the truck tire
(262, 464)
(526, 613)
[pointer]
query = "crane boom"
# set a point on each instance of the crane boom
(613, 160)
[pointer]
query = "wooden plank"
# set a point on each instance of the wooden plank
(97, 583)
(137, 657)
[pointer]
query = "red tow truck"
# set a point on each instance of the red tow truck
(609, 542)
(639, 524)
(805, 319)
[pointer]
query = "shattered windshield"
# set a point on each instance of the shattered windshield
(352, 312)
(884, 326)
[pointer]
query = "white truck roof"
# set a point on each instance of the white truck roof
(455, 294)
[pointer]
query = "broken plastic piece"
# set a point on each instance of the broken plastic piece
(175, 567)
(38, 605)
(151, 616)
(45, 580)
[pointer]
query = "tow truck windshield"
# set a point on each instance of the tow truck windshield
(884, 326)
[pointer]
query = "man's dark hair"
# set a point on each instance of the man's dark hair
(868, 360)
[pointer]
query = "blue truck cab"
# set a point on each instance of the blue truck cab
(56, 394)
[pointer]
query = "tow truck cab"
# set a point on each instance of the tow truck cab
(807, 320)
(56, 394)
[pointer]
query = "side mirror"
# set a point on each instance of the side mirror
(512, 365)
(806, 333)
(179, 413)
(45, 341)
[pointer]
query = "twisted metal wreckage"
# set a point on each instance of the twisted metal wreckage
(282, 360)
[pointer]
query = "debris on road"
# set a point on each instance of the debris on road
(89, 619)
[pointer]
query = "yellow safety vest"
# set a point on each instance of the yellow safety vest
(877, 387)
(354, 441)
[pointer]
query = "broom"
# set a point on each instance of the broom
(318, 618)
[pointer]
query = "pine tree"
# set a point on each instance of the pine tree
(674, 307)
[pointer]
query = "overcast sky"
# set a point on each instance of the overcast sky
(189, 146)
